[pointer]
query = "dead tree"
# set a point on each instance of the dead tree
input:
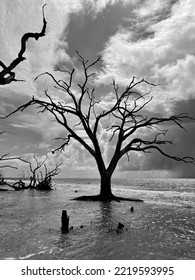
(40, 178)
(126, 115)
(7, 75)
(45, 181)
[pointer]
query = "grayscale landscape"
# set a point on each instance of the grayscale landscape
(97, 129)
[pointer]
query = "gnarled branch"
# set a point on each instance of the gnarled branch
(7, 75)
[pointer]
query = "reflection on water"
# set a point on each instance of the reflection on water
(160, 228)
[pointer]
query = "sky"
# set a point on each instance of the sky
(151, 39)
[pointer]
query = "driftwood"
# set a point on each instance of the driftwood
(3, 190)
(17, 186)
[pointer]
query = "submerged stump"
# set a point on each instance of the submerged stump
(120, 226)
(65, 221)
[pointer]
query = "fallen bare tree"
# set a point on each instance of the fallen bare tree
(40, 178)
(126, 115)
(7, 75)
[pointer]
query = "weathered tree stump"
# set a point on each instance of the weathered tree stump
(65, 221)
(120, 226)
(132, 209)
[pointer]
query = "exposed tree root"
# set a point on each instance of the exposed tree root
(101, 198)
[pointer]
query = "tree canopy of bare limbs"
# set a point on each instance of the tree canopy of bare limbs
(125, 117)
(7, 75)
(39, 177)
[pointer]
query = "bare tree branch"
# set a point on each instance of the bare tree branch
(8, 166)
(38, 179)
(186, 159)
(7, 75)
(65, 140)
(6, 157)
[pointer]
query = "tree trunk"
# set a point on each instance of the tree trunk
(105, 191)
(105, 187)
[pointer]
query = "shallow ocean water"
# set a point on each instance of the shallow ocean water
(163, 227)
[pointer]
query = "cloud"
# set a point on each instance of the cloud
(149, 8)
(43, 124)
(183, 146)
(98, 6)
(18, 18)
(178, 77)
(166, 56)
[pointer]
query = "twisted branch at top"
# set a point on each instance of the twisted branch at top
(7, 75)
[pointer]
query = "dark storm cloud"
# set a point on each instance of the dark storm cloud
(88, 33)
(186, 106)
(184, 145)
